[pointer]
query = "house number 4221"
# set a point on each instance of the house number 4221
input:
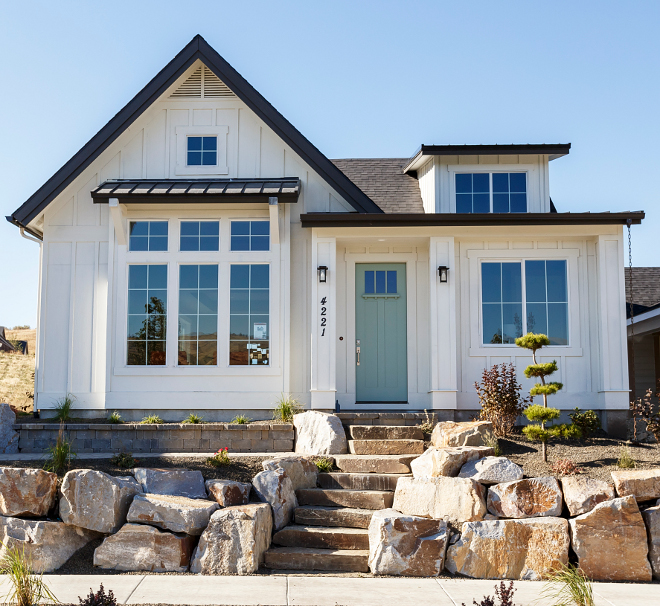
(324, 319)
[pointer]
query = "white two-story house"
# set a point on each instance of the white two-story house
(200, 254)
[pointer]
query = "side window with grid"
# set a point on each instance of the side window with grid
(147, 315)
(147, 235)
(250, 235)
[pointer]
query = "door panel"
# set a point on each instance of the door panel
(380, 328)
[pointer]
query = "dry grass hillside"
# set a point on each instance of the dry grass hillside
(17, 372)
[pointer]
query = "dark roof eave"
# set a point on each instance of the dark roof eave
(455, 219)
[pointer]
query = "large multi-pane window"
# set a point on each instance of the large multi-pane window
(249, 315)
(147, 235)
(198, 315)
(506, 314)
(147, 314)
(491, 192)
(200, 236)
(250, 235)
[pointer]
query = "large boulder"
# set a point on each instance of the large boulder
(301, 471)
(235, 540)
(492, 470)
(652, 520)
(582, 493)
(8, 437)
(228, 492)
(643, 484)
(610, 542)
(529, 498)
(26, 492)
(446, 461)
(509, 549)
(137, 547)
(473, 433)
(275, 488)
(454, 500)
(48, 544)
(406, 545)
(178, 514)
(178, 482)
(318, 433)
(95, 500)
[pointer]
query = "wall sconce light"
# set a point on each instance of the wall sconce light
(443, 270)
(323, 273)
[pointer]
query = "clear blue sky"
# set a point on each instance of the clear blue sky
(359, 79)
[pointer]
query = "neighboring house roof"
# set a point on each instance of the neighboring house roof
(196, 49)
(384, 181)
(646, 289)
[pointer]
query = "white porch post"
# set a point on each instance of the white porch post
(444, 383)
(324, 325)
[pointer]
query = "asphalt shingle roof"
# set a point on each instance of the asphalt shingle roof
(384, 181)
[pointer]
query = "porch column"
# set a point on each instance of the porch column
(444, 383)
(324, 325)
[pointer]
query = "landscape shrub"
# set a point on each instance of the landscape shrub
(152, 420)
(642, 408)
(100, 598)
(565, 467)
(285, 408)
(500, 399)
(565, 430)
(124, 460)
(193, 419)
(241, 420)
(324, 465)
(428, 424)
(63, 407)
(59, 455)
(587, 422)
(492, 442)
(567, 585)
(25, 587)
(115, 418)
(625, 459)
(503, 593)
(220, 458)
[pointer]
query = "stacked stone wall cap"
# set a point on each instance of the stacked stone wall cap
(177, 514)
(95, 500)
(643, 484)
(446, 461)
(582, 493)
(175, 481)
(319, 433)
(473, 433)
(405, 545)
(26, 492)
(510, 549)
(228, 492)
(275, 488)
(611, 542)
(528, 498)
(235, 540)
(492, 470)
(302, 472)
(8, 436)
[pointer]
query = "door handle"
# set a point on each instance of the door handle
(357, 350)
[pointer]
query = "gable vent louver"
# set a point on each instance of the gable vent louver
(202, 84)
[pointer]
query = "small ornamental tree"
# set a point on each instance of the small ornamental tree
(541, 414)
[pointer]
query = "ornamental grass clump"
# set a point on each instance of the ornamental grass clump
(567, 585)
(152, 420)
(25, 587)
(625, 459)
(63, 407)
(285, 408)
(115, 418)
(241, 420)
(193, 419)
(324, 465)
(60, 454)
(540, 414)
(500, 399)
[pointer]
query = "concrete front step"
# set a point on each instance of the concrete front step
(374, 463)
(304, 558)
(322, 537)
(360, 499)
(360, 481)
(385, 432)
(386, 447)
(344, 517)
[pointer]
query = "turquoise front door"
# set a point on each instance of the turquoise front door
(381, 365)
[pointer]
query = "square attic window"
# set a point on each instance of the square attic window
(202, 151)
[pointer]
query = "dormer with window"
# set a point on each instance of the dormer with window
(485, 178)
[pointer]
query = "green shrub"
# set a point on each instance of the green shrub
(324, 465)
(59, 455)
(241, 420)
(25, 588)
(541, 413)
(63, 407)
(115, 418)
(124, 460)
(536, 433)
(566, 431)
(286, 407)
(220, 458)
(152, 420)
(588, 421)
(193, 419)
(625, 459)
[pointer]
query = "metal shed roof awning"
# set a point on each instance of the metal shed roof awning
(177, 191)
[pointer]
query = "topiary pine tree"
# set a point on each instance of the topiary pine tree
(542, 414)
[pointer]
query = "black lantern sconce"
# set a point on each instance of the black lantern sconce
(323, 273)
(443, 271)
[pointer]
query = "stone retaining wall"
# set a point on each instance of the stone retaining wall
(393, 418)
(169, 437)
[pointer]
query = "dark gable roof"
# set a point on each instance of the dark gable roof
(196, 49)
(384, 181)
(646, 288)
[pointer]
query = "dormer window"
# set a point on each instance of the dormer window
(202, 151)
(491, 192)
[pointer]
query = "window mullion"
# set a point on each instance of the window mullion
(490, 190)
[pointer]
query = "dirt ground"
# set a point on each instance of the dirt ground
(17, 380)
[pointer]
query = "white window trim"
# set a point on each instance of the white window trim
(477, 257)
(530, 176)
(182, 134)
(197, 252)
(156, 252)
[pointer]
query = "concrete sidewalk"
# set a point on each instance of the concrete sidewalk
(312, 590)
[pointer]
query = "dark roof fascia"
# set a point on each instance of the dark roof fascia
(25, 228)
(456, 220)
(551, 149)
(198, 199)
(197, 48)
